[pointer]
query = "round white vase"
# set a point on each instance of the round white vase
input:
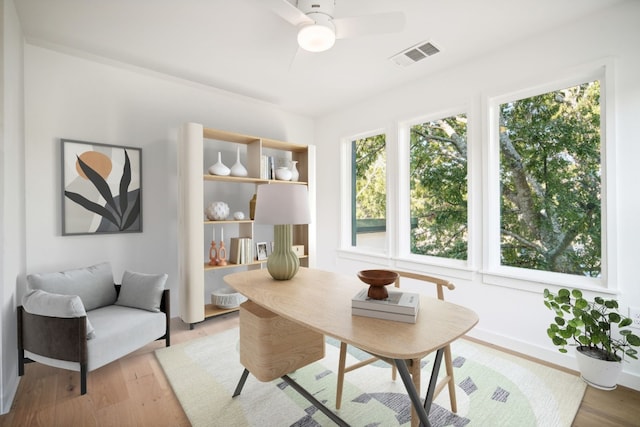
(219, 168)
(217, 211)
(283, 174)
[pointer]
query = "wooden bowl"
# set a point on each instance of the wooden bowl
(377, 280)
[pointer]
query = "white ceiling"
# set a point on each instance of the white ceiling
(242, 47)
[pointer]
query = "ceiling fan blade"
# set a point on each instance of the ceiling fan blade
(391, 22)
(286, 11)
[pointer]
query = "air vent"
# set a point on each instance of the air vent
(415, 54)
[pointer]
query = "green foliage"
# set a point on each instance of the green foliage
(550, 181)
(550, 178)
(438, 185)
(370, 185)
(589, 324)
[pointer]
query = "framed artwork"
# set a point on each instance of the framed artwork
(261, 250)
(101, 188)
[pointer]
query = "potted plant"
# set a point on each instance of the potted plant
(588, 325)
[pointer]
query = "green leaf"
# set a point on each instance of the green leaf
(625, 322)
(633, 340)
(577, 293)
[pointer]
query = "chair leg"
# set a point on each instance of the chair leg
(341, 367)
(83, 378)
(452, 383)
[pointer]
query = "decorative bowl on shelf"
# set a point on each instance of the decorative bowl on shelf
(377, 280)
(227, 298)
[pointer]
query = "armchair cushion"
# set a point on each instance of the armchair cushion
(94, 285)
(55, 305)
(140, 290)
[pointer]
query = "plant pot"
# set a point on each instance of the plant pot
(598, 373)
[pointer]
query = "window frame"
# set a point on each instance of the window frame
(346, 222)
(497, 274)
(404, 202)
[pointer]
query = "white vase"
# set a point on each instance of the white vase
(294, 171)
(283, 174)
(237, 169)
(217, 211)
(601, 374)
(219, 168)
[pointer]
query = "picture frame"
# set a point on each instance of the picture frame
(261, 250)
(94, 176)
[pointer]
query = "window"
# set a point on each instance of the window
(438, 187)
(550, 181)
(368, 192)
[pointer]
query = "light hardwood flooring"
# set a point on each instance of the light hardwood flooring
(133, 391)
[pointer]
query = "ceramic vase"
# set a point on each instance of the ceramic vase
(283, 174)
(237, 169)
(219, 168)
(217, 211)
(294, 171)
(602, 374)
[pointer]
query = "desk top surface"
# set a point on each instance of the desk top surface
(321, 301)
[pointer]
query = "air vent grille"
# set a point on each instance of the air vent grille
(415, 54)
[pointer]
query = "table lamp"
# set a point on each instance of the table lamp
(282, 205)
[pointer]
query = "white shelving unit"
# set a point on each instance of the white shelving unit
(194, 237)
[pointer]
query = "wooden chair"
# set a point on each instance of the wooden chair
(446, 380)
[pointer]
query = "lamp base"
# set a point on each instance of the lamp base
(283, 263)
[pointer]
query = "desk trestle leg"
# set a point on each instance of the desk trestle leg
(420, 409)
(243, 379)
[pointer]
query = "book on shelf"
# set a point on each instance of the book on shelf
(407, 303)
(386, 315)
(241, 250)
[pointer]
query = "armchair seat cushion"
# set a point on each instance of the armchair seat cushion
(121, 331)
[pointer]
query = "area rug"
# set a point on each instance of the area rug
(493, 389)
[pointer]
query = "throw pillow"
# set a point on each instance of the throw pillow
(94, 285)
(55, 305)
(140, 290)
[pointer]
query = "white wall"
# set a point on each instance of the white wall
(70, 97)
(12, 224)
(510, 317)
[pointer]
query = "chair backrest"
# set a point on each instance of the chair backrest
(440, 283)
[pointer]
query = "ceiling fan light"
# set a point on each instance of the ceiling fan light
(316, 37)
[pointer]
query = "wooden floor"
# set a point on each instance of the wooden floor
(134, 392)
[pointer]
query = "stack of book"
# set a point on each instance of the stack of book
(241, 250)
(399, 306)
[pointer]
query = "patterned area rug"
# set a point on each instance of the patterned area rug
(493, 389)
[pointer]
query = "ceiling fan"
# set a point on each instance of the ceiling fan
(318, 29)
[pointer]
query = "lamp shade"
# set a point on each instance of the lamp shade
(282, 204)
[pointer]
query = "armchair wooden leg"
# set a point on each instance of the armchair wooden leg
(341, 367)
(83, 378)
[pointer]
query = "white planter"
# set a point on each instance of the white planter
(602, 374)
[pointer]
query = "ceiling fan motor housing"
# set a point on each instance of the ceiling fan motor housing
(325, 7)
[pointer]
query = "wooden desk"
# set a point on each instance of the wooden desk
(321, 301)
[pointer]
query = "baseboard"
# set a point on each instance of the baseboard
(549, 357)
(9, 394)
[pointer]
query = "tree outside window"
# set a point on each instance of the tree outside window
(550, 177)
(438, 187)
(369, 192)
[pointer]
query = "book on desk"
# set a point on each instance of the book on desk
(399, 306)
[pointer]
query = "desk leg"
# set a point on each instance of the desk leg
(240, 385)
(422, 411)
